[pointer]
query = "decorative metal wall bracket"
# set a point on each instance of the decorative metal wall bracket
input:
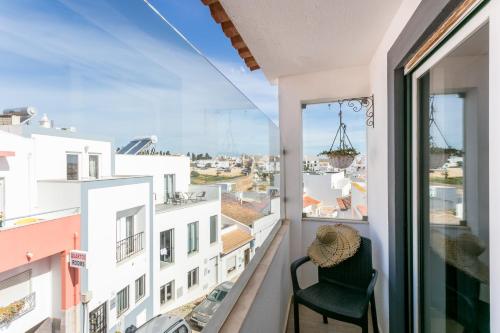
(357, 104)
(360, 103)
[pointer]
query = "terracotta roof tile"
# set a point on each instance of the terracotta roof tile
(234, 239)
(309, 201)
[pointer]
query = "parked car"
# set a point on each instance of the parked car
(203, 312)
(162, 324)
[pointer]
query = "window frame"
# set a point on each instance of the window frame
(123, 294)
(193, 274)
(171, 249)
(190, 249)
(331, 100)
(98, 164)
(164, 287)
(138, 287)
(215, 235)
(68, 154)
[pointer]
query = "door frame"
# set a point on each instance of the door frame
(426, 19)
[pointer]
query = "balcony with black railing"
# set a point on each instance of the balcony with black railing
(129, 246)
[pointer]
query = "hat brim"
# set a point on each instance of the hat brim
(345, 246)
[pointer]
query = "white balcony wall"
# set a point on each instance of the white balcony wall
(178, 219)
(56, 195)
(18, 174)
(156, 166)
(44, 283)
(268, 311)
(51, 150)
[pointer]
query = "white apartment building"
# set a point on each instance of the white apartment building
(186, 239)
(68, 171)
(116, 221)
(35, 285)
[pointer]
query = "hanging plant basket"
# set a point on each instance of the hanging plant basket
(341, 158)
(438, 156)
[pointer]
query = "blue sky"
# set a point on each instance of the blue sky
(194, 21)
(115, 68)
(321, 121)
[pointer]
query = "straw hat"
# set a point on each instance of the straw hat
(333, 244)
(462, 252)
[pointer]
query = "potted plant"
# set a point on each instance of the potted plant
(341, 158)
(438, 156)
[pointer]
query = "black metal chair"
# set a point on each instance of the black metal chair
(343, 291)
(201, 196)
(460, 301)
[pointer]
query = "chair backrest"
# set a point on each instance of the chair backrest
(355, 271)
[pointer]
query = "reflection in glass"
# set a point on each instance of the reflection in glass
(127, 98)
(454, 222)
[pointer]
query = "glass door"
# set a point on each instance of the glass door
(169, 181)
(451, 187)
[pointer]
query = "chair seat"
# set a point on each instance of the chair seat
(331, 299)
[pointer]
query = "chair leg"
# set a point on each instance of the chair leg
(325, 319)
(296, 316)
(364, 324)
(374, 314)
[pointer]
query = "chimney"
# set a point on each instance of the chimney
(44, 121)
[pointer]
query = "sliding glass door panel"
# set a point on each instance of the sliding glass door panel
(452, 202)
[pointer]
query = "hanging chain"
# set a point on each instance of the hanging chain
(433, 122)
(341, 132)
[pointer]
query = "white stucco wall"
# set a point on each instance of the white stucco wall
(156, 166)
(50, 155)
(105, 276)
(377, 160)
(56, 195)
(18, 174)
(262, 227)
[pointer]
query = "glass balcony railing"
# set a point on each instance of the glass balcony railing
(114, 92)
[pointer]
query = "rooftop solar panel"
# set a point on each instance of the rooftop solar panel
(137, 148)
(128, 146)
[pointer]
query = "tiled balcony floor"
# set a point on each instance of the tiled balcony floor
(312, 322)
